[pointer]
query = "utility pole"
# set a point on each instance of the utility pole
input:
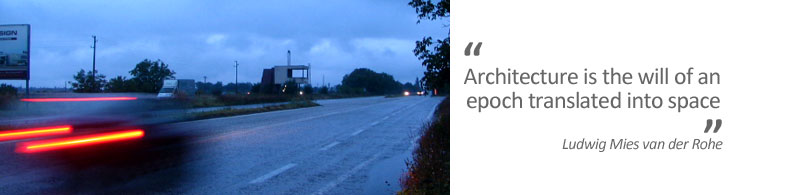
(94, 52)
(236, 85)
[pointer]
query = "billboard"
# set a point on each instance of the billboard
(15, 51)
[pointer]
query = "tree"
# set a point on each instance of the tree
(323, 90)
(243, 87)
(409, 87)
(88, 83)
(435, 57)
(308, 90)
(7, 90)
(205, 87)
(428, 172)
(119, 84)
(148, 76)
(256, 89)
(216, 89)
(427, 10)
(263, 88)
(364, 80)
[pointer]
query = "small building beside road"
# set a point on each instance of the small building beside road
(276, 76)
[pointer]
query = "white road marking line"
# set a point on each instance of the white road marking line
(329, 146)
(349, 174)
(273, 173)
(359, 131)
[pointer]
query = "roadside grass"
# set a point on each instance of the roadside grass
(429, 169)
(294, 104)
(202, 101)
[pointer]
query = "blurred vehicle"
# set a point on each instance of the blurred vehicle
(174, 88)
(41, 124)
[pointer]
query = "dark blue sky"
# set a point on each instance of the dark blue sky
(203, 38)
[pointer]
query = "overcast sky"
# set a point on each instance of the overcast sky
(203, 38)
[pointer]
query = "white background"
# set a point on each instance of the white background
(754, 45)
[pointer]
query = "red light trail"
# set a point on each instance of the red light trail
(79, 141)
(77, 99)
(34, 132)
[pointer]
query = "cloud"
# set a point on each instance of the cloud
(204, 38)
(215, 39)
(389, 46)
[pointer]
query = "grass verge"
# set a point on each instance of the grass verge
(233, 112)
(429, 169)
(202, 101)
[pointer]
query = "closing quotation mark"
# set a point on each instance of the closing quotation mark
(477, 49)
(709, 123)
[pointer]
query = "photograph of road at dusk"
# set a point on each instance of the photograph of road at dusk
(235, 97)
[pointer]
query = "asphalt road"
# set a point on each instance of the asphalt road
(345, 146)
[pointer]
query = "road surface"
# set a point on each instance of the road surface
(345, 146)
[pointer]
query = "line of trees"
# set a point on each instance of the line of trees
(361, 81)
(146, 77)
(7, 90)
(364, 81)
(218, 88)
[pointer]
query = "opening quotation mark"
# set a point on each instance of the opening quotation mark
(710, 123)
(469, 49)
